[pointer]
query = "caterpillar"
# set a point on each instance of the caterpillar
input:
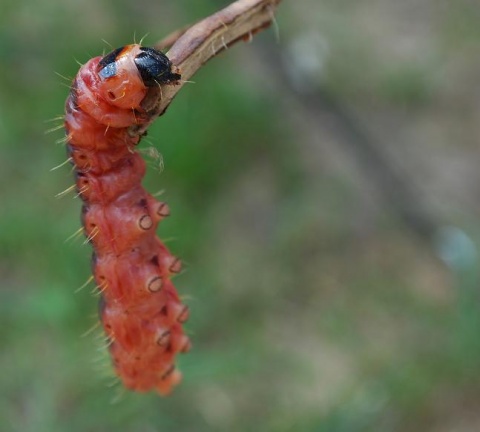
(140, 309)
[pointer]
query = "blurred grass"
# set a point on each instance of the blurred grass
(300, 319)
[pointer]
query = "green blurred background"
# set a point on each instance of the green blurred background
(324, 196)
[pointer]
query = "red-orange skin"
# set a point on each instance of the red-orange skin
(141, 312)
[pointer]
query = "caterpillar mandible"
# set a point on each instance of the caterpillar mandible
(140, 310)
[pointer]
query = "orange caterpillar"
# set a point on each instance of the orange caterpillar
(140, 309)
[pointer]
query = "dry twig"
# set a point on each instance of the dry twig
(193, 47)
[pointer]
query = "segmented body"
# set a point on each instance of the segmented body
(140, 309)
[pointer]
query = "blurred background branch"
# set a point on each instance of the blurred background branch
(324, 109)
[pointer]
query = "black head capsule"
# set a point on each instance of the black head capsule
(155, 67)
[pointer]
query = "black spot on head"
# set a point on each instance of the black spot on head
(155, 67)
(107, 66)
(111, 57)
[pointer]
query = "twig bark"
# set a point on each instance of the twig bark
(193, 47)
